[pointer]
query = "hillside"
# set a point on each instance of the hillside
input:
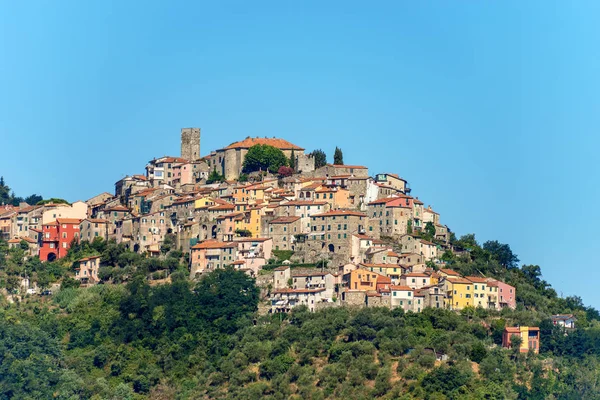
(167, 341)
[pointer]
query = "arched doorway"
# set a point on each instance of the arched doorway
(136, 248)
(214, 232)
(51, 257)
(331, 248)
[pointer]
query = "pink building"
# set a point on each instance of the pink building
(507, 295)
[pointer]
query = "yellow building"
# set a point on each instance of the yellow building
(204, 203)
(258, 193)
(479, 291)
(253, 219)
(459, 293)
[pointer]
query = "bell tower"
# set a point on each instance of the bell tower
(190, 143)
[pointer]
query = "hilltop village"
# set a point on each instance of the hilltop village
(312, 233)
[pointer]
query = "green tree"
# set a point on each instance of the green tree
(215, 177)
(5, 193)
(33, 199)
(502, 253)
(320, 158)
(338, 157)
(264, 157)
(430, 230)
(293, 161)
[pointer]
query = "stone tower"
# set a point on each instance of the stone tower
(190, 143)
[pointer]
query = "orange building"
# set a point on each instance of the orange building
(530, 337)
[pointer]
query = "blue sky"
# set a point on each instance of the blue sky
(489, 109)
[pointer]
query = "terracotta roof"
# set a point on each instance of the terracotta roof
(339, 213)
(400, 287)
(476, 279)
(460, 281)
(238, 262)
(213, 244)
(382, 201)
(284, 220)
(185, 200)
(88, 258)
(68, 221)
(167, 159)
(417, 275)
(275, 142)
(223, 207)
(363, 237)
(450, 272)
(282, 268)
(392, 254)
(563, 317)
(117, 208)
(311, 187)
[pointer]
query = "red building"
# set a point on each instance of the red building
(57, 237)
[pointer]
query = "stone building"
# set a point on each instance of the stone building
(210, 255)
(86, 270)
(91, 228)
(283, 230)
(393, 181)
(162, 171)
(190, 144)
(336, 170)
(304, 162)
(331, 235)
(229, 160)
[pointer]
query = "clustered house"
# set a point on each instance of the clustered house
(372, 242)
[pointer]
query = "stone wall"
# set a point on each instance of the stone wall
(354, 298)
(190, 143)
(304, 162)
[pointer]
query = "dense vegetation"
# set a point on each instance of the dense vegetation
(262, 157)
(206, 340)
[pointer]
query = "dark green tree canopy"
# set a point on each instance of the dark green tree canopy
(262, 157)
(338, 157)
(320, 158)
(502, 253)
(215, 177)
